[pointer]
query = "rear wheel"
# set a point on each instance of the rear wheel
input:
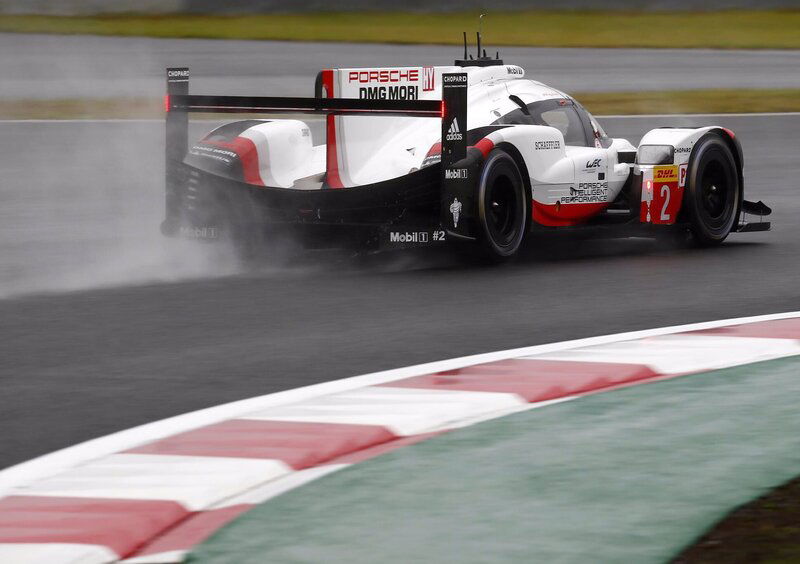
(502, 207)
(713, 195)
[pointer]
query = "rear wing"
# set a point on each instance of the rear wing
(178, 103)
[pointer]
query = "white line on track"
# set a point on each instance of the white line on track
(109, 120)
(753, 114)
(60, 460)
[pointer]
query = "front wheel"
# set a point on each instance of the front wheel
(713, 195)
(502, 207)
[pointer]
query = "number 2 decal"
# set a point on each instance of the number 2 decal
(665, 195)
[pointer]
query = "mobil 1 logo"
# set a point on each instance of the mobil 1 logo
(411, 237)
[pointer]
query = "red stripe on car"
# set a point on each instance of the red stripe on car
(484, 146)
(245, 149)
(333, 178)
(563, 215)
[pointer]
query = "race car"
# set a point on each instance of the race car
(473, 155)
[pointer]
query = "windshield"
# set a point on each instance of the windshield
(558, 113)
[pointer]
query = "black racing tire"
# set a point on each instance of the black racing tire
(503, 207)
(713, 194)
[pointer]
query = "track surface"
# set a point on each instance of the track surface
(107, 66)
(78, 365)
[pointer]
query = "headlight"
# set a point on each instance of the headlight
(656, 154)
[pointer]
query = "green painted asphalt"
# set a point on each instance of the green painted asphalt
(632, 475)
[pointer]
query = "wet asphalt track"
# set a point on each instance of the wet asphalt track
(89, 362)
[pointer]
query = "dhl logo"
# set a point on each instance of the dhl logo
(665, 173)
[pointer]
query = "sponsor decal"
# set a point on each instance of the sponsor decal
(679, 150)
(455, 173)
(408, 237)
(661, 195)
(454, 79)
(547, 145)
(587, 193)
(455, 209)
(177, 74)
(682, 171)
(515, 70)
(431, 159)
(199, 232)
(665, 173)
(428, 79)
(454, 132)
(417, 237)
(388, 93)
(223, 155)
(593, 164)
(385, 75)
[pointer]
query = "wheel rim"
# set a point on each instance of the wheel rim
(716, 194)
(714, 190)
(502, 210)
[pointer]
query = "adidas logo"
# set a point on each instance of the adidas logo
(454, 133)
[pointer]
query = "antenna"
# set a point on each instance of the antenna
(481, 59)
(480, 32)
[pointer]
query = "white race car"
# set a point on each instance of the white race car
(470, 154)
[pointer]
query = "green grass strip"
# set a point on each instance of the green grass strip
(732, 29)
(599, 103)
(632, 475)
(720, 101)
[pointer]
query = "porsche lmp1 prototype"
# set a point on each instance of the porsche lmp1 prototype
(472, 154)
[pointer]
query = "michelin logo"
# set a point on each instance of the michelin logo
(455, 209)
(454, 133)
